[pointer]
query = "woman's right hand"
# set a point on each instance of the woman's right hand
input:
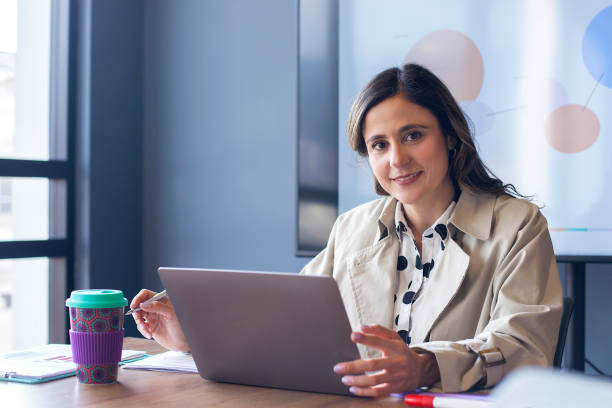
(157, 320)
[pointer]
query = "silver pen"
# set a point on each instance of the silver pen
(160, 295)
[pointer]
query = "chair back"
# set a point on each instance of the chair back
(568, 309)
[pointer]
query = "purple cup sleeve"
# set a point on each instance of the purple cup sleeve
(96, 348)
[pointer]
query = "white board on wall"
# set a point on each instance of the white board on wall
(535, 78)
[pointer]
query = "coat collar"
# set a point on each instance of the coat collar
(473, 214)
(386, 219)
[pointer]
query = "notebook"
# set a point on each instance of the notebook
(170, 361)
(46, 363)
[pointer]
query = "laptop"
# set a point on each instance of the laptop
(265, 329)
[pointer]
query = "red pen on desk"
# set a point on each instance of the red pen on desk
(446, 401)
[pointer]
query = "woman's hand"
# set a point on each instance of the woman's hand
(400, 369)
(157, 320)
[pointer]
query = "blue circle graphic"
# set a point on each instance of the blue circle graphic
(597, 47)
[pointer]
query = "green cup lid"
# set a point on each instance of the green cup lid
(96, 298)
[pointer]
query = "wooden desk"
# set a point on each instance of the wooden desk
(148, 389)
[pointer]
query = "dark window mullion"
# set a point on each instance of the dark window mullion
(34, 249)
(53, 169)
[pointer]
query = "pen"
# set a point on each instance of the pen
(462, 401)
(160, 295)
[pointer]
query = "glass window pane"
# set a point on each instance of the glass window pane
(24, 79)
(6, 317)
(25, 204)
(24, 303)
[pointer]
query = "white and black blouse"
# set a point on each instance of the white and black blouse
(414, 269)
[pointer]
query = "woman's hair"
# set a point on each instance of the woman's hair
(418, 85)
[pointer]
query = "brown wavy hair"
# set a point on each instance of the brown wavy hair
(420, 86)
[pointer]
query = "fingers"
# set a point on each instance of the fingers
(142, 296)
(147, 323)
(361, 366)
(143, 324)
(163, 309)
(379, 391)
(384, 343)
(370, 380)
(381, 331)
(396, 371)
(398, 375)
(142, 328)
(139, 315)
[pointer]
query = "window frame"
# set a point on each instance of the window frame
(61, 203)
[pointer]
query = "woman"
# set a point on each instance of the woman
(451, 279)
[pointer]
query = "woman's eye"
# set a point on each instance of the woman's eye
(378, 146)
(412, 136)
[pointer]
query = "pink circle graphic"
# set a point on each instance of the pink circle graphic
(454, 58)
(571, 128)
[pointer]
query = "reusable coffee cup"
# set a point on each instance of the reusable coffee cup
(96, 333)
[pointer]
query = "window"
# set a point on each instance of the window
(35, 173)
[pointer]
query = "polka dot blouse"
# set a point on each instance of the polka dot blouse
(414, 269)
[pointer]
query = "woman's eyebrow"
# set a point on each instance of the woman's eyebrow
(374, 138)
(412, 126)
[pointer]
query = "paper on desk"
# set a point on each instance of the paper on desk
(46, 361)
(172, 361)
(534, 387)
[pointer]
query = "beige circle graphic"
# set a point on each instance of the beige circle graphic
(454, 58)
(571, 128)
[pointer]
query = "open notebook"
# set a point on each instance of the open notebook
(172, 361)
(46, 363)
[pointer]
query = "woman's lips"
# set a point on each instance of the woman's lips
(407, 178)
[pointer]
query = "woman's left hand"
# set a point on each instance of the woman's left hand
(400, 369)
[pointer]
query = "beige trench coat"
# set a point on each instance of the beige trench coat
(495, 301)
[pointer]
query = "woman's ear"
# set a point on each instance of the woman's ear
(451, 142)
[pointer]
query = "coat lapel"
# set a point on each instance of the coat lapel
(443, 286)
(373, 275)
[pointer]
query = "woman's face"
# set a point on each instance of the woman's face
(407, 152)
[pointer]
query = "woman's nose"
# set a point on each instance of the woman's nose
(398, 157)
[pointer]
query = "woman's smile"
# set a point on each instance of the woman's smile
(408, 178)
